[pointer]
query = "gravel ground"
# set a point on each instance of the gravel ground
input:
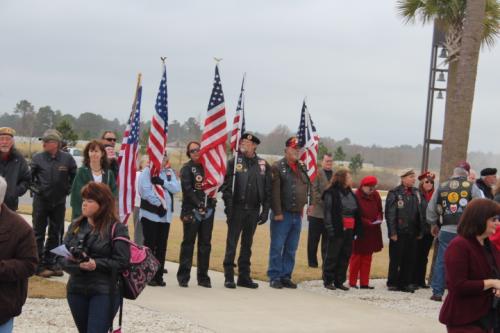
(417, 303)
(53, 316)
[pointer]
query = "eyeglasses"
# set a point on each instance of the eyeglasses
(194, 150)
(110, 139)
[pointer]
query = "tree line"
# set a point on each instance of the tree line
(28, 121)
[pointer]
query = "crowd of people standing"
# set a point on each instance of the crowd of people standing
(345, 223)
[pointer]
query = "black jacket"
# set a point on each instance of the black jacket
(404, 212)
(334, 224)
(487, 191)
(252, 186)
(192, 177)
(111, 259)
(17, 175)
(52, 176)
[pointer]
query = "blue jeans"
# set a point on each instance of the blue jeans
(285, 237)
(92, 313)
(7, 327)
(438, 274)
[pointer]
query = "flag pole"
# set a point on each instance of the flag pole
(238, 137)
(134, 103)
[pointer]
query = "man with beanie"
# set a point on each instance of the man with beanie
(315, 216)
(405, 219)
(487, 181)
(289, 196)
(443, 214)
(247, 196)
(13, 167)
(53, 172)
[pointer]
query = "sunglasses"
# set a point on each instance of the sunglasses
(110, 139)
(194, 150)
(496, 218)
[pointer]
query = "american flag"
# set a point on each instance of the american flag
(213, 140)
(158, 135)
(309, 143)
(127, 160)
(238, 121)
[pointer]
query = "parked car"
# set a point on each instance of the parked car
(77, 155)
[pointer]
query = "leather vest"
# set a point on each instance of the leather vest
(453, 197)
(250, 180)
(294, 187)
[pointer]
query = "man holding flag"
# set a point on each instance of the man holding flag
(201, 178)
(157, 184)
(247, 198)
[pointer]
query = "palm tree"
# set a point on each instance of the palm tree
(467, 25)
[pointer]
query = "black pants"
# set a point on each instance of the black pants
(422, 253)
(203, 230)
(243, 222)
(316, 233)
(338, 252)
(401, 260)
(48, 214)
(156, 237)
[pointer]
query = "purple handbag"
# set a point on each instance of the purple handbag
(143, 267)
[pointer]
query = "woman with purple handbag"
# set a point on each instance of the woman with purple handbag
(95, 262)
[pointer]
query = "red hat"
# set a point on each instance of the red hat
(368, 181)
(427, 174)
(292, 142)
(464, 165)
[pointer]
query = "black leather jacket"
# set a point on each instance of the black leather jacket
(53, 176)
(252, 187)
(192, 176)
(17, 175)
(111, 259)
(404, 212)
(333, 212)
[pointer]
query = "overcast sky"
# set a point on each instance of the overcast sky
(364, 72)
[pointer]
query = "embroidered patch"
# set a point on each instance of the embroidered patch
(454, 184)
(453, 197)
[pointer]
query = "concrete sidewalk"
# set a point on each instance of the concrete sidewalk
(270, 310)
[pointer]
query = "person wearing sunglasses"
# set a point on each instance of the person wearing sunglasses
(426, 188)
(197, 215)
(109, 138)
(443, 214)
(472, 271)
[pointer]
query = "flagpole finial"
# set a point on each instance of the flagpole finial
(163, 59)
(217, 60)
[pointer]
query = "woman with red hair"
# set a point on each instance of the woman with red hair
(370, 206)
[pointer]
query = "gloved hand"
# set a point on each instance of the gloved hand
(201, 208)
(228, 211)
(263, 217)
(157, 181)
(161, 211)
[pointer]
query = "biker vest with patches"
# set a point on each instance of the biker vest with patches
(452, 198)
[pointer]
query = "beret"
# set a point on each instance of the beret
(369, 181)
(488, 172)
(292, 142)
(427, 174)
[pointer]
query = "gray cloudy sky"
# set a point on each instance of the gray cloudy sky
(363, 71)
